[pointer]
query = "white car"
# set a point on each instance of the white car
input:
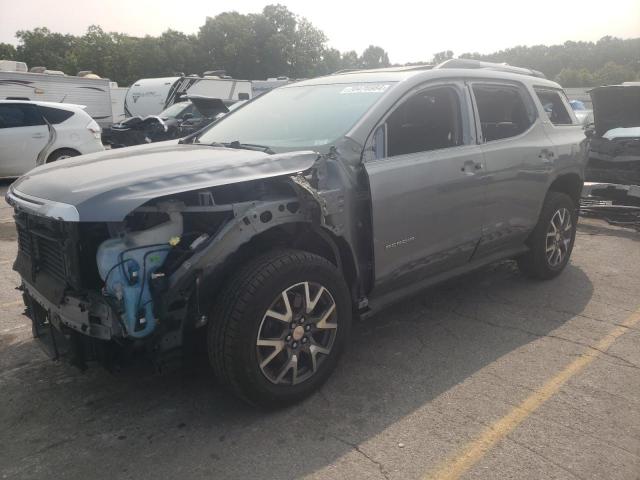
(34, 133)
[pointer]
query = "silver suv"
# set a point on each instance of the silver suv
(265, 234)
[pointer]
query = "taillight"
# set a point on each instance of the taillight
(94, 128)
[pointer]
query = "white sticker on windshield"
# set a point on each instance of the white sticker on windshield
(366, 88)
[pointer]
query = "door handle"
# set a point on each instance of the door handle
(37, 135)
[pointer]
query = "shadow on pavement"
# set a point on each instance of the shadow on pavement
(602, 228)
(138, 425)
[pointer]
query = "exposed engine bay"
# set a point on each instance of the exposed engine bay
(614, 143)
(136, 285)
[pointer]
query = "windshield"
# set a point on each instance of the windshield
(177, 110)
(296, 117)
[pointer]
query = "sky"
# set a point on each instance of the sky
(407, 30)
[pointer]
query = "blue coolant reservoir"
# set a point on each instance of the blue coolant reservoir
(127, 263)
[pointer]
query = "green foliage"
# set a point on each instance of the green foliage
(277, 42)
(374, 57)
(7, 51)
(576, 64)
(272, 43)
(441, 57)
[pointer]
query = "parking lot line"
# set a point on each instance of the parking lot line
(473, 452)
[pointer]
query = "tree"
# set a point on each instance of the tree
(228, 43)
(614, 74)
(41, 47)
(307, 49)
(277, 42)
(350, 59)
(441, 57)
(7, 51)
(571, 77)
(374, 57)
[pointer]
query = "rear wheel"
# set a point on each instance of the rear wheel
(278, 329)
(61, 154)
(551, 242)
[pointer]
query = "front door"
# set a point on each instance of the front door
(426, 188)
(23, 134)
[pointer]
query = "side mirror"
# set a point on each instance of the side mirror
(187, 116)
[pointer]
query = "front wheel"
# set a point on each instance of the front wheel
(551, 242)
(278, 329)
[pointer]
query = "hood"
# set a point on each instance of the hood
(106, 186)
(209, 107)
(615, 106)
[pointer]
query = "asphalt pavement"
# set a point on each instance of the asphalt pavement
(490, 376)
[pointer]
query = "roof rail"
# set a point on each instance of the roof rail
(500, 67)
(346, 70)
(397, 68)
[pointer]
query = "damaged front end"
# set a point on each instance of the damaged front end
(614, 143)
(111, 290)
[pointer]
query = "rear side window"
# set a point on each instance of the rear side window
(428, 120)
(554, 107)
(55, 115)
(13, 115)
(503, 111)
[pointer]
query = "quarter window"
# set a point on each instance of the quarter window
(428, 120)
(502, 110)
(554, 107)
(13, 115)
(55, 115)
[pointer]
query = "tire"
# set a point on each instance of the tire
(549, 253)
(61, 154)
(251, 310)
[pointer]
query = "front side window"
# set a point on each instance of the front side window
(428, 120)
(13, 115)
(297, 117)
(554, 107)
(177, 110)
(502, 110)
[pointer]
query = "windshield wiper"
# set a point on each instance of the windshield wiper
(248, 146)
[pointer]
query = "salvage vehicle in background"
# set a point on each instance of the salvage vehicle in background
(177, 121)
(34, 133)
(265, 234)
(583, 114)
(151, 96)
(612, 190)
(614, 139)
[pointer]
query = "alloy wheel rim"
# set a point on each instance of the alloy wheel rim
(297, 333)
(558, 237)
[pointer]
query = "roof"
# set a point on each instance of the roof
(416, 75)
(68, 106)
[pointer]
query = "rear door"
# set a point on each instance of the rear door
(518, 156)
(426, 188)
(23, 134)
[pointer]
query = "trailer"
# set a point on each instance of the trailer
(118, 95)
(150, 96)
(94, 93)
